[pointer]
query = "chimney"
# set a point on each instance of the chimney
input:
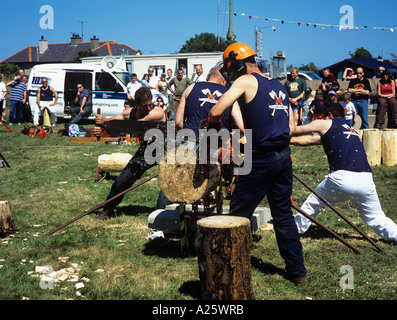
(94, 43)
(75, 40)
(43, 45)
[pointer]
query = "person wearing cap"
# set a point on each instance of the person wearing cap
(267, 113)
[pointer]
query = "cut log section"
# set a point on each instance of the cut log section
(372, 140)
(6, 221)
(223, 246)
(114, 162)
(183, 180)
(389, 147)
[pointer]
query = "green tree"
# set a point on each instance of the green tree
(83, 54)
(205, 42)
(309, 67)
(361, 53)
(9, 70)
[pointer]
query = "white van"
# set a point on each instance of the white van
(106, 81)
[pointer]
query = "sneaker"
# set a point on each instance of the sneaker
(19, 123)
(4, 120)
(104, 215)
(10, 124)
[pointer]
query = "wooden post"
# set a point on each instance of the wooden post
(389, 147)
(373, 146)
(223, 245)
(6, 222)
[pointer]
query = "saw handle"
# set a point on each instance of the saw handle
(98, 111)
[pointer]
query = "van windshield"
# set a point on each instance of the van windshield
(124, 77)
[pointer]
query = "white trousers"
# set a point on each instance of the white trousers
(358, 187)
(38, 112)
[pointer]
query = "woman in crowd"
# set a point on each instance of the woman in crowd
(386, 100)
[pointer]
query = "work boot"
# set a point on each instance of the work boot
(105, 214)
(300, 281)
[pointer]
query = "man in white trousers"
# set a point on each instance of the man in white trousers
(350, 176)
(45, 99)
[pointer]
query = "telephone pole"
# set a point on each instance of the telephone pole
(230, 34)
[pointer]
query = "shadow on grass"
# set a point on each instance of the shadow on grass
(267, 268)
(133, 210)
(191, 288)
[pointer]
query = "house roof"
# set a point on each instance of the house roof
(66, 52)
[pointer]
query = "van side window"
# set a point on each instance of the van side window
(104, 82)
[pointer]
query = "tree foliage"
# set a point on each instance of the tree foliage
(83, 54)
(9, 70)
(361, 53)
(205, 42)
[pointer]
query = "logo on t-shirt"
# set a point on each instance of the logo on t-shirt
(278, 100)
(211, 97)
(350, 131)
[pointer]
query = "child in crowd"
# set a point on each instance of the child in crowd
(307, 99)
(317, 106)
(350, 110)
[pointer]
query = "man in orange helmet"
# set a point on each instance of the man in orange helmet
(266, 111)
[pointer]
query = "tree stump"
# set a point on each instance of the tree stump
(46, 117)
(389, 147)
(183, 180)
(223, 245)
(372, 141)
(6, 222)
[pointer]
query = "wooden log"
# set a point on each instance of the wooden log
(223, 246)
(389, 147)
(6, 221)
(46, 118)
(183, 180)
(372, 140)
(114, 162)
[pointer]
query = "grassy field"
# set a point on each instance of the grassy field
(52, 181)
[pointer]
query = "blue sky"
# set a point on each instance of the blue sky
(156, 27)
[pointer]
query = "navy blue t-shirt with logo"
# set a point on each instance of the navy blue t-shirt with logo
(268, 114)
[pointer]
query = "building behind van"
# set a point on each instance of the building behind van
(106, 80)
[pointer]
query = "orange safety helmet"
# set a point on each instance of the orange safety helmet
(237, 51)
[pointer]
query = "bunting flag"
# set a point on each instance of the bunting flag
(323, 25)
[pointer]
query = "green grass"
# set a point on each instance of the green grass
(52, 181)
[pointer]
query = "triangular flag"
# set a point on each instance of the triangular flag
(235, 14)
(391, 29)
(282, 21)
(299, 24)
(258, 18)
(307, 24)
(315, 25)
(323, 27)
(250, 17)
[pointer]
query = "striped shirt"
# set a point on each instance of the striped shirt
(17, 91)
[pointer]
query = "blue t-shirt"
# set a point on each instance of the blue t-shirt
(201, 99)
(344, 149)
(268, 114)
(17, 90)
(87, 94)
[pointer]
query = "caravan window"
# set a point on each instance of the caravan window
(104, 82)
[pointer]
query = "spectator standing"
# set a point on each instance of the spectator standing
(199, 75)
(3, 94)
(132, 87)
(317, 107)
(359, 89)
(17, 99)
(44, 100)
(162, 86)
(170, 95)
(350, 110)
(153, 80)
(386, 101)
(181, 83)
(296, 87)
(307, 99)
(26, 111)
(145, 80)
